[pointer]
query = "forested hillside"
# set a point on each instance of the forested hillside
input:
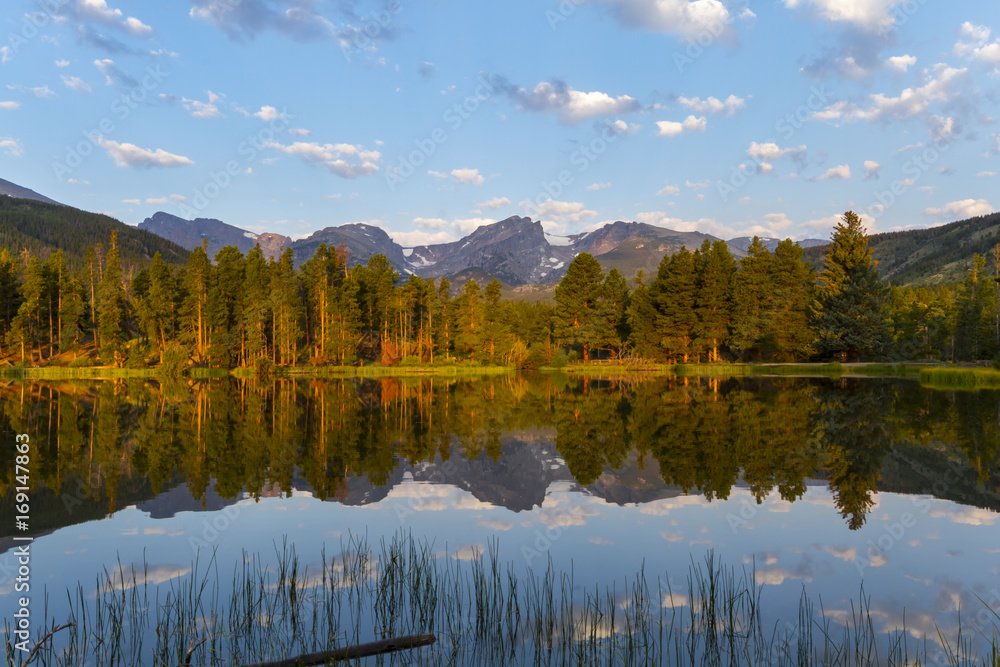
(936, 256)
(46, 228)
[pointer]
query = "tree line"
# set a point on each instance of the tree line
(702, 306)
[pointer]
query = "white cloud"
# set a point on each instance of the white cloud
(99, 12)
(77, 84)
(713, 105)
(901, 63)
(440, 175)
(11, 146)
(838, 173)
(555, 215)
(420, 237)
(943, 85)
(966, 208)
(10, 106)
(624, 129)
(41, 92)
(867, 14)
(986, 174)
(975, 44)
(669, 190)
(571, 106)
(691, 124)
(160, 201)
(5, 54)
(871, 170)
(200, 109)
(496, 202)
(112, 74)
(130, 155)
(431, 223)
(268, 113)
(684, 18)
(62, 63)
(467, 176)
(705, 225)
(300, 132)
(134, 202)
(594, 187)
(765, 154)
(345, 160)
(824, 224)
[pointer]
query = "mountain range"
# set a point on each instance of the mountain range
(517, 251)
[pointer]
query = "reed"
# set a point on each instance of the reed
(482, 612)
(959, 378)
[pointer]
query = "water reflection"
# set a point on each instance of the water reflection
(105, 446)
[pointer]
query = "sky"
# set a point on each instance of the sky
(432, 118)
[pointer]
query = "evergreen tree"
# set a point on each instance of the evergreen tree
(850, 311)
(197, 281)
(157, 306)
(641, 319)
(716, 270)
(286, 309)
(469, 319)
(224, 307)
(256, 306)
(789, 335)
(617, 297)
(111, 308)
(25, 330)
(675, 294)
(581, 315)
(751, 297)
(973, 314)
(444, 320)
(10, 297)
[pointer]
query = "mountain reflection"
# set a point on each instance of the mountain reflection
(103, 446)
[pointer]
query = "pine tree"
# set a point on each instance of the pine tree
(444, 318)
(850, 311)
(224, 307)
(25, 330)
(675, 295)
(973, 312)
(10, 297)
(469, 319)
(716, 271)
(751, 300)
(287, 309)
(157, 307)
(581, 315)
(111, 308)
(641, 320)
(789, 334)
(197, 281)
(256, 306)
(617, 297)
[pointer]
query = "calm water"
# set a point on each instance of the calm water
(820, 485)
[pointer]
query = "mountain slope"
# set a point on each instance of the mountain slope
(938, 255)
(363, 241)
(17, 192)
(45, 228)
(190, 234)
(743, 243)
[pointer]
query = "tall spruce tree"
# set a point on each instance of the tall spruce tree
(581, 316)
(111, 308)
(675, 294)
(789, 336)
(716, 270)
(850, 311)
(751, 300)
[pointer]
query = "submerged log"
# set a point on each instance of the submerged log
(352, 652)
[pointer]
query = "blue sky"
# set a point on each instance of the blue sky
(431, 118)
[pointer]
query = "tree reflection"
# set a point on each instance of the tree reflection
(101, 444)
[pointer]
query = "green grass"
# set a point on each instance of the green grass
(739, 370)
(960, 378)
(70, 373)
(376, 371)
(483, 612)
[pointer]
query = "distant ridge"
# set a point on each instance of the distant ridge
(18, 192)
(190, 234)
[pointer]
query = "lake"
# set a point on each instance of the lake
(872, 494)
